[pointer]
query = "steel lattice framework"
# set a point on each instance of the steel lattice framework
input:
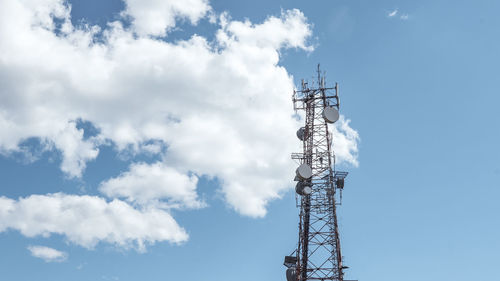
(318, 255)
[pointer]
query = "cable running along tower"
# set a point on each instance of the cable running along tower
(319, 187)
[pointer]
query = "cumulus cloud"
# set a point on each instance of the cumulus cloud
(156, 17)
(345, 142)
(289, 31)
(146, 184)
(218, 108)
(47, 254)
(87, 220)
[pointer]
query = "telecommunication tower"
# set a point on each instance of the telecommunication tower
(319, 187)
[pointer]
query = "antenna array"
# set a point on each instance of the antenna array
(319, 187)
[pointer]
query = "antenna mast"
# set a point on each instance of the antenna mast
(319, 187)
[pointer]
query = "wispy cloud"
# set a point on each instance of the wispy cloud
(80, 266)
(47, 254)
(396, 14)
(393, 13)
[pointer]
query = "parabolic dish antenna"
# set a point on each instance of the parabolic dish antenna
(304, 171)
(330, 114)
(291, 274)
(303, 188)
(301, 133)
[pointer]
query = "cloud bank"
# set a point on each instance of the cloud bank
(221, 108)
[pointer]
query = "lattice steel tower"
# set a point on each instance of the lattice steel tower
(319, 187)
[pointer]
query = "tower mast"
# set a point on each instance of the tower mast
(319, 187)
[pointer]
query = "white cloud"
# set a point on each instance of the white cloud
(392, 13)
(156, 17)
(220, 108)
(146, 184)
(395, 12)
(345, 142)
(47, 254)
(88, 220)
(289, 31)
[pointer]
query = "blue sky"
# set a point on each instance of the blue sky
(419, 87)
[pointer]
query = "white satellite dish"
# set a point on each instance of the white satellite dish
(304, 171)
(307, 190)
(301, 133)
(303, 188)
(330, 114)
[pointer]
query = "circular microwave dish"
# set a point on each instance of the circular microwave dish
(331, 114)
